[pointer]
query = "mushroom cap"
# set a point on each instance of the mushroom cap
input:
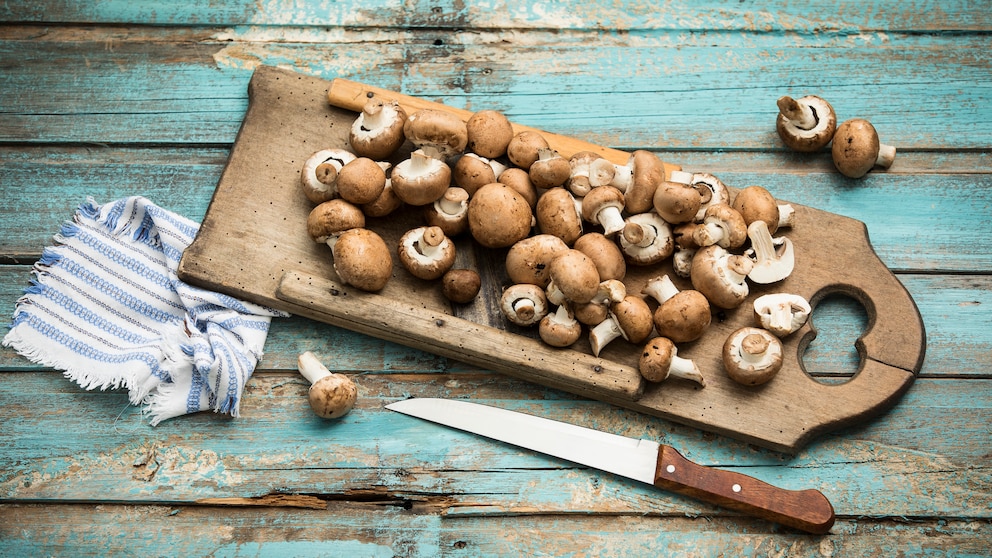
(756, 203)
(574, 274)
(649, 173)
(799, 135)
(855, 147)
(332, 218)
(519, 180)
(656, 359)
(781, 313)
(460, 285)
(558, 214)
(332, 396)
(560, 328)
(377, 132)
(646, 239)
(604, 253)
(426, 252)
(711, 190)
(421, 179)
(549, 170)
(386, 203)
(362, 260)
(730, 222)
(439, 129)
(599, 199)
(489, 133)
(472, 172)
(319, 174)
(450, 212)
(529, 259)
(752, 356)
(523, 148)
(720, 276)
(676, 202)
(588, 170)
(684, 317)
(498, 216)
(524, 304)
(591, 313)
(633, 316)
(361, 180)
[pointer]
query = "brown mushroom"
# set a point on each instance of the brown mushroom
(426, 252)
(472, 172)
(519, 180)
(498, 216)
(377, 132)
(560, 328)
(524, 304)
(722, 225)
(659, 361)
(330, 395)
(549, 170)
(361, 181)
(574, 275)
(757, 203)
(720, 276)
(449, 212)
(774, 258)
(648, 174)
(558, 213)
(805, 124)
(529, 259)
(856, 149)
(646, 239)
(362, 259)
(438, 129)
(320, 173)
(524, 148)
(460, 285)
(386, 203)
(421, 179)
(588, 170)
(752, 356)
(332, 218)
(603, 206)
(676, 200)
(489, 133)
(630, 318)
(681, 316)
(604, 253)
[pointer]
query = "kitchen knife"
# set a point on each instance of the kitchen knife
(641, 460)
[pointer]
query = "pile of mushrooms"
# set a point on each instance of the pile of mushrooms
(570, 228)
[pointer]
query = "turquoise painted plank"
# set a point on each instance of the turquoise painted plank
(42, 186)
(810, 17)
(278, 446)
(374, 530)
(654, 93)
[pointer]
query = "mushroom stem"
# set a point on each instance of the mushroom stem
(753, 348)
(660, 288)
(686, 369)
(623, 175)
(311, 367)
(524, 308)
(786, 215)
(373, 116)
(761, 241)
(800, 114)
(453, 202)
(603, 333)
(611, 220)
(886, 156)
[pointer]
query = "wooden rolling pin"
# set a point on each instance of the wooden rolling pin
(352, 95)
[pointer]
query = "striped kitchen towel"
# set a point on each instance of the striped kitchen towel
(106, 307)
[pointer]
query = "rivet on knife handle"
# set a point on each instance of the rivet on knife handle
(808, 510)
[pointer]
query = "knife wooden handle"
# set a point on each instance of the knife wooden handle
(807, 510)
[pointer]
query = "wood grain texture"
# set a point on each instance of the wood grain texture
(114, 98)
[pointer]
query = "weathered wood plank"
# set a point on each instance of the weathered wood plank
(813, 17)
(278, 447)
(385, 529)
(655, 91)
(42, 186)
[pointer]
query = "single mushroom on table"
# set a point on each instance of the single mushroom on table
(519, 180)
(681, 316)
(647, 175)
(573, 277)
(721, 276)
(450, 212)
(660, 361)
(722, 225)
(605, 253)
(560, 328)
(856, 149)
(377, 132)
(426, 252)
(498, 216)
(524, 148)
(805, 124)
(422, 178)
(460, 285)
(333, 217)
(549, 170)
(781, 313)
(361, 259)
(320, 173)
(774, 258)
(330, 395)
(646, 239)
(524, 304)
(630, 319)
(752, 356)
(529, 259)
(559, 213)
(472, 172)
(361, 180)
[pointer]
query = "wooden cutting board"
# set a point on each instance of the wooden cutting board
(253, 244)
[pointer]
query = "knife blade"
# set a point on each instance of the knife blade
(646, 461)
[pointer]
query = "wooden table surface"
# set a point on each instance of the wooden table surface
(116, 98)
